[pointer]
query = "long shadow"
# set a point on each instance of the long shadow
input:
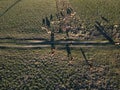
(9, 8)
(11, 38)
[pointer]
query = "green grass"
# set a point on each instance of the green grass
(91, 10)
(36, 68)
(24, 19)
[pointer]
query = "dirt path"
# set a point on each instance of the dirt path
(25, 44)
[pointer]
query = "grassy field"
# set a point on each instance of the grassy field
(24, 19)
(92, 10)
(36, 69)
